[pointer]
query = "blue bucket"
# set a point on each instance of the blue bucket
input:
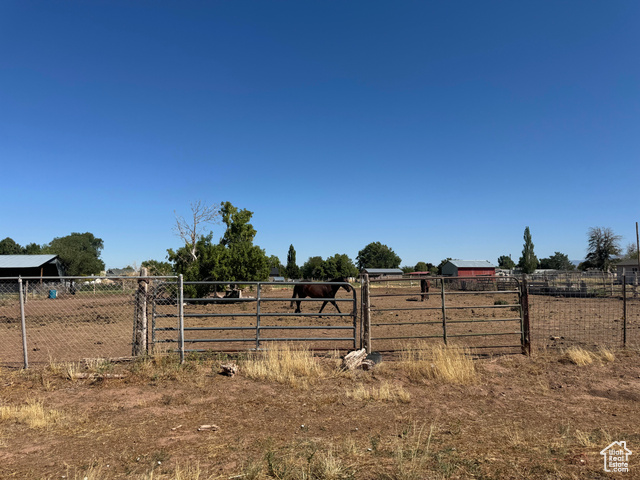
(53, 293)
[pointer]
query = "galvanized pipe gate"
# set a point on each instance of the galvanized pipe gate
(207, 319)
(454, 317)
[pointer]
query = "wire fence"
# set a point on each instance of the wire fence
(66, 319)
(584, 309)
(70, 319)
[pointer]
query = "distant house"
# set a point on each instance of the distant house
(30, 266)
(382, 272)
(468, 268)
(628, 268)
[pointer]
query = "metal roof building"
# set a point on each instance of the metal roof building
(382, 272)
(468, 268)
(30, 266)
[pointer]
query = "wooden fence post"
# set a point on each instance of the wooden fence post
(140, 321)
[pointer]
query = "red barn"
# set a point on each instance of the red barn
(468, 268)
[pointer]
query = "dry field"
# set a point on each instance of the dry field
(425, 414)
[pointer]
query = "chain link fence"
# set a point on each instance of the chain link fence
(67, 319)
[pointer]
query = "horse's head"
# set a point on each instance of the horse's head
(343, 280)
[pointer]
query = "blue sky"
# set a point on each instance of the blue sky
(441, 129)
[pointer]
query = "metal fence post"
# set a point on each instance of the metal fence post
(366, 314)
(524, 309)
(624, 311)
(181, 315)
(258, 291)
(444, 313)
(23, 325)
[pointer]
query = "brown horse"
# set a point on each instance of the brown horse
(425, 285)
(319, 291)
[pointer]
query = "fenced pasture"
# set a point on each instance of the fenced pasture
(81, 318)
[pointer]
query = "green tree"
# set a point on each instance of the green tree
(157, 268)
(528, 261)
(79, 253)
(33, 249)
(234, 258)
(9, 247)
(274, 262)
(604, 245)
(314, 269)
(558, 261)
(293, 271)
(340, 265)
(421, 267)
(505, 262)
(377, 255)
(631, 252)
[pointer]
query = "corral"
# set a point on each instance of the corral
(97, 320)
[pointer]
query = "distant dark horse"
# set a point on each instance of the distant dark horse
(319, 291)
(425, 285)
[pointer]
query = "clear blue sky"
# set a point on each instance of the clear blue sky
(440, 129)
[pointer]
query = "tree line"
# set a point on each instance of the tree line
(234, 257)
(603, 251)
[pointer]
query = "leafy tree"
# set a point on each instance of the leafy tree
(33, 249)
(234, 258)
(631, 252)
(293, 271)
(9, 247)
(314, 268)
(558, 261)
(340, 265)
(505, 262)
(274, 262)
(157, 268)
(528, 261)
(604, 245)
(377, 255)
(421, 267)
(79, 253)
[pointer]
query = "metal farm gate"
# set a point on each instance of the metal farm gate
(476, 312)
(194, 316)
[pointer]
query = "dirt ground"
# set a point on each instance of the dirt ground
(539, 417)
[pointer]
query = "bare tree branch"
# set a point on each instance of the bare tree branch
(190, 230)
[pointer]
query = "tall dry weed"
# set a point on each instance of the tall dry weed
(282, 363)
(448, 364)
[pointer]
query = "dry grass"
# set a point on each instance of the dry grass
(384, 393)
(33, 414)
(283, 364)
(581, 357)
(438, 362)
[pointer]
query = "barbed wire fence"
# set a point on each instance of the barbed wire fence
(69, 319)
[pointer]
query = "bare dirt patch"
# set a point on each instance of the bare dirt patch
(538, 417)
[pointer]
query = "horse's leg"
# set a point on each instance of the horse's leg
(336, 305)
(323, 305)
